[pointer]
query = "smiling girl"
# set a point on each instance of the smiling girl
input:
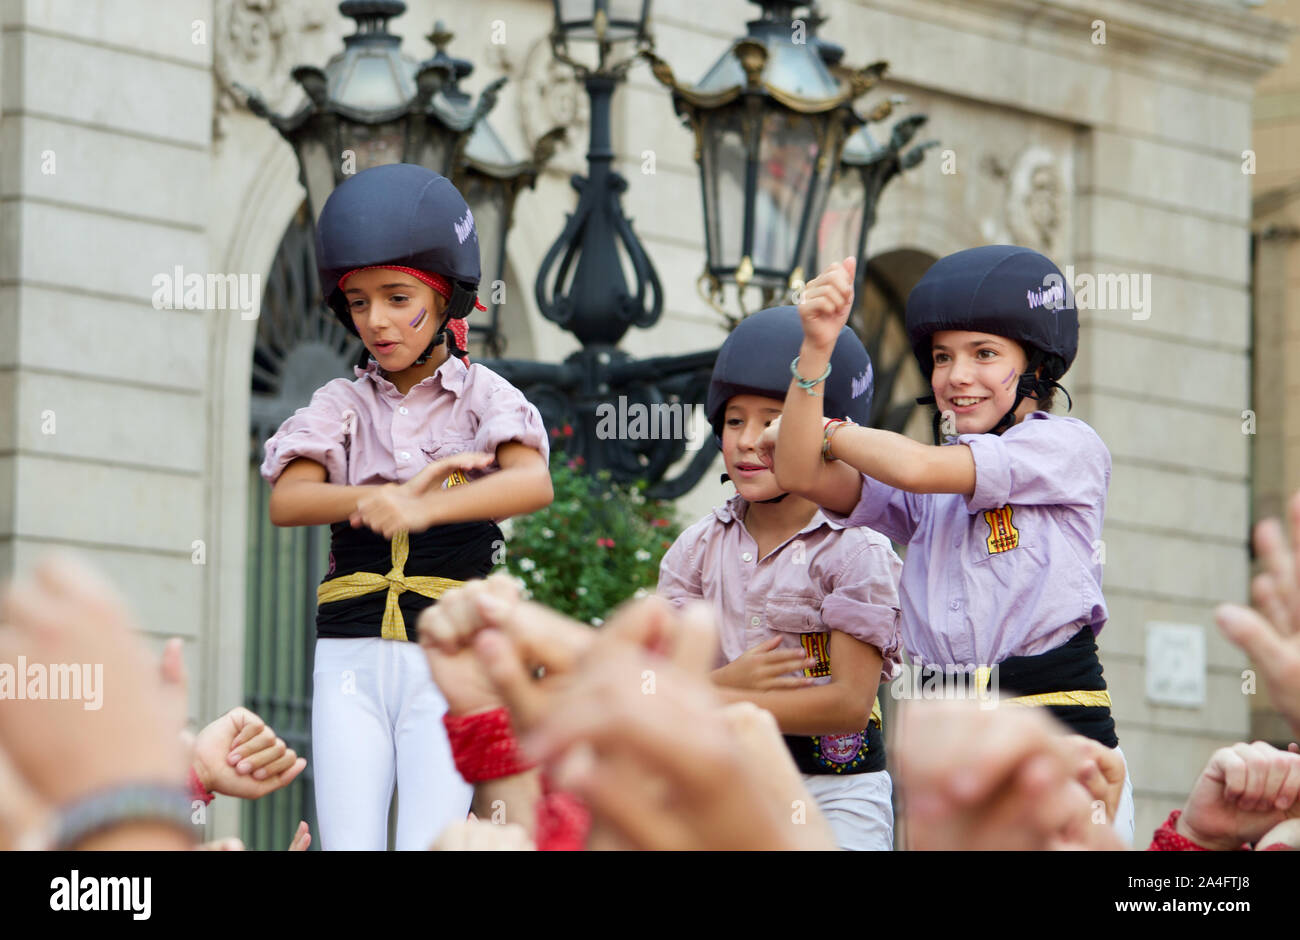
(1002, 524)
(399, 260)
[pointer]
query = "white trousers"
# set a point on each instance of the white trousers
(377, 718)
(858, 808)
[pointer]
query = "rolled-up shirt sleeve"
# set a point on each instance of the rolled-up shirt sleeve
(1040, 462)
(505, 415)
(864, 603)
(679, 575)
(317, 432)
(889, 510)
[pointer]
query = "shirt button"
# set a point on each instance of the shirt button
(747, 557)
(954, 605)
(755, 621)
(404, 455)
(401, 410)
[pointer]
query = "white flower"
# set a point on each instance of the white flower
(582, 590)
(640, 593)
(527, 564)
(539, 576)
(548, 534)
(596, 621)
(642, 555)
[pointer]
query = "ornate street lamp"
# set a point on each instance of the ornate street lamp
(372, 105)
(770, 120)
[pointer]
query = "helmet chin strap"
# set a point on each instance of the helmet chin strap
(442, 334)
(726, 478)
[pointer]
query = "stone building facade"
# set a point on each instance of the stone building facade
(1109, 134)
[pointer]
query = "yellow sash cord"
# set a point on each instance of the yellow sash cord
(396, 581)
(1084, 697)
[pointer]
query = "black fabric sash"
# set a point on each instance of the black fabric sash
(839, 754)
(1068, 668)
(460, 552)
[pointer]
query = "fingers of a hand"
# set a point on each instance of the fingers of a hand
(260, 758)
(1269, 601)
(1270, 545)
(290, 774)
(784, 682)
(1248, 629)
(770, 643)
(1230, 765)
(696, 646)
(247, 724)
(301, 838)
(1288, 791)
(173, 663)
(506, 672)
(274, 766)
(262, 740)
(616, 795)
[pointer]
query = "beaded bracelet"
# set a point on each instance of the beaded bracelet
(828, 431)
(808, 384)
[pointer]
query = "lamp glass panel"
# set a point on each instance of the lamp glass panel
(433, 148)
(576, 18)
(723, 162)
(373, 80)
(375, 144)
(786, 169)
(837, 235)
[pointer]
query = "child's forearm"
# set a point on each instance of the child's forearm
(822, 709)
(797, 458)
(304, 502)
(511, 491)
(903, 463)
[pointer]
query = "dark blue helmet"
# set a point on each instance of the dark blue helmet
(1000, 289)
(755, 360)
(398, 214)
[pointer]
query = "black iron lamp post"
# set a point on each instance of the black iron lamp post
(582, 286)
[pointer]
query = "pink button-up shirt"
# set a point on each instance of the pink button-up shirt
(366, 432)
(826, 577)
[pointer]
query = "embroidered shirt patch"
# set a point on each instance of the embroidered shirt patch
(1003, 535)
(814, 644)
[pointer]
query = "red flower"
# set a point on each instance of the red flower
(659, 523)
(605, 543)
(580, 461)
(568, 430)
(555, 433)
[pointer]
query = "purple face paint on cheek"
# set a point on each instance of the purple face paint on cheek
(1010, 375)
(418, 322)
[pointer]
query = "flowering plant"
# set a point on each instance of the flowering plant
(597, 544)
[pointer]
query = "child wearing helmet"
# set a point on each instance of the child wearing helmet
(1002, 524)
(793, 590)
(410, 464)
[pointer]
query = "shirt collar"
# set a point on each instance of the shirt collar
(733, 510)
(451, 374)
